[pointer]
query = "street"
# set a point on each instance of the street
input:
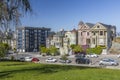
(95, 61)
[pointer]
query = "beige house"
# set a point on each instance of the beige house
(69, 39)
(102, 35)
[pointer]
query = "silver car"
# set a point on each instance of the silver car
(108, 62)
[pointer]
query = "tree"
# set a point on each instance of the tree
(10, 13)
(3, 49)
(64, 57)
(53, 50)
(72, 46)
(96, 50)
(43, 50)
(77, 49)
(6, 46)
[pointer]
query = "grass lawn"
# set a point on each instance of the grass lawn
(32, 71)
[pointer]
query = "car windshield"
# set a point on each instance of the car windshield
(111, 60)
(50, 58)
(108, 60)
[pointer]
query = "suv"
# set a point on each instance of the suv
(82, 60)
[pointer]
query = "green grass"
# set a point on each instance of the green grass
(32, 71)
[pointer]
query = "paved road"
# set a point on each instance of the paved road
(95, 61)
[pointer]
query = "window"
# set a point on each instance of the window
(93, 40)
(88, 33)
(98, 26)
(101, 32)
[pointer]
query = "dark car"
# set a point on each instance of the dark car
(82, 60)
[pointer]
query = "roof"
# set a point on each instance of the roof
(90, 24)
(81, 23)
(74, 30)
(107, 26)
(60, 33)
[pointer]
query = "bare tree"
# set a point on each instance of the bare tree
(11, 11)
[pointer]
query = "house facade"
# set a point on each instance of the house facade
(98, 34)
(84, 34)
(69, 39)
(102, 35)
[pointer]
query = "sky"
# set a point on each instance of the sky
(66, 14)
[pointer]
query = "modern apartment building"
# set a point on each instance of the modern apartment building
(30, 38)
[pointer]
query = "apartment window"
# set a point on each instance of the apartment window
(101, 32)
(39, 30)
(35, 30)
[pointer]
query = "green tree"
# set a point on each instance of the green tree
(72, 46)
(3, 49)
(7, 47)
(64, 57)
(96, 50)
(77, 49)
(53, 50)
(10, 13)
(43, 50)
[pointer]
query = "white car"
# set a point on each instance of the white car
(118, 56)
(108, 62)
(91, 55)
(51, 60)
(27, 58)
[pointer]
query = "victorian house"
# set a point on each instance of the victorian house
(84, 34)
(92, 35)
(69, 39)
(102, 35)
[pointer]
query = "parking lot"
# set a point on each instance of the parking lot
(94, 63)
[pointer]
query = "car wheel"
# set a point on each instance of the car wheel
(77, 62)
(101, 64)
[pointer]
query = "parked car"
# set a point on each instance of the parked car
(82, 60)
(35, 60)
(92, 55)
(108, 62)
(118, 56)
(51, 60)
(64, 61)
(28, 58)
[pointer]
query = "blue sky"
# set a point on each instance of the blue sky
(66, 14)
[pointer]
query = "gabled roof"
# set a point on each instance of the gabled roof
(60, 33)
(90, 24)
(105, 25)
(74, 30)
(81, 23)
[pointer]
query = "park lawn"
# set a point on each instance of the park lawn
(33, 71)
